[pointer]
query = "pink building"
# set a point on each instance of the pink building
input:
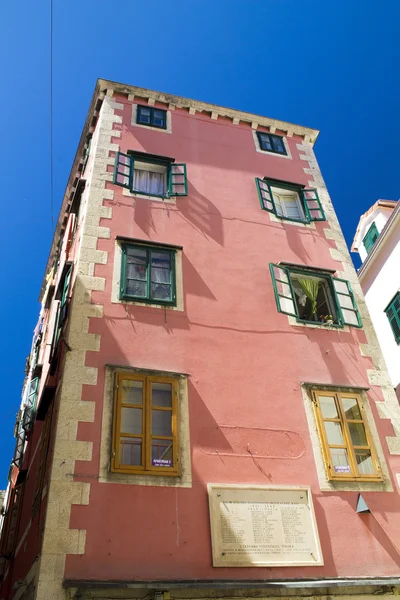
(206, 413)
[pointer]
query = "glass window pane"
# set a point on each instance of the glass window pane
(357, 434)
(136, 288)
(161, 453)
(131, 420)
(283, 289)
(144, 114)
(132, 392)
(350, 316)
(161, 422)
(346, 302)
(328, 407)
(334, 433)
(280, 274)
(340, 460)
(341, 287)
(130, 451)
(364, 462)
(161, 291)
(137, 255)
(135, 271)
(161, 394)
(351, 408)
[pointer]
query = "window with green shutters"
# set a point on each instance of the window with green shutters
(393, 314)
(149, 176)
(30, 404)
(371, 237)
(289, 202)
(314, 296)
(148, 274)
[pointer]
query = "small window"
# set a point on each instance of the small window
(289, 202)
(148, 274)
(314, 297)
(271, 143)
(153, 117)
(346, 442)
(145, 436)
(370, 237)
(150, 176)
(393, 314)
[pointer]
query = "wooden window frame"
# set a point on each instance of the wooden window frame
(393, 315)
(148, 299)
(348, 445)
(140, 107)
(370, 237)
(146, 468)
(272, 139)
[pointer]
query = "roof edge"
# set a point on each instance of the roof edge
(181, 102)
(384, 204)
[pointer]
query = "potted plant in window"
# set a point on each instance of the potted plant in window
(327, 319)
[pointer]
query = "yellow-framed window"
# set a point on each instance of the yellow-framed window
(347, 445)
(145, 436)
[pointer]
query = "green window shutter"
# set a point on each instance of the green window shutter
(56, 334)
(30, 406)
(393, 315)
(312, 205)
(64, 296)
(284, 295)
(19, 448)
(370, 237)
(265, 195)
(87, 154)
(177, 180)
(346, 303)
(123, 170)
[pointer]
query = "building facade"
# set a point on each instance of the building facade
(377, 241)
(207, 412)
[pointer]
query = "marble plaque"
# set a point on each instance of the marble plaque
(263, 526)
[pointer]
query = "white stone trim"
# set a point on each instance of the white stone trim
(345, 486)
(115, 299)
(170, 200)
(258, 147)
(159, 129)
(107, 476)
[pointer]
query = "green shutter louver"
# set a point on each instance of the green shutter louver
(283, 290)
(346, 303)
(265, 195)
(370, 237)
(393, 315)
(123, 170)
(177, 180)
(30, 406)
(64, 296)
(312, 205)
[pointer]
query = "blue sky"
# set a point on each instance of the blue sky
(332, 65)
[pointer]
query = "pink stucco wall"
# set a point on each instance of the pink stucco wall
(245, 362)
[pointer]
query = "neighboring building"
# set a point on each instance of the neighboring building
(377, 241)
(203, 370)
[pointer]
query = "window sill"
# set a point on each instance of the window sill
(166, 200)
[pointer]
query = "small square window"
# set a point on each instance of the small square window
(145, 436)
(314, 296)
(347, 445)
(393, 315)
(153, 117)
(148, 274)
(271, 143)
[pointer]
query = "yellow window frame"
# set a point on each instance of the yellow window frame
(146, 436)
(354, 474)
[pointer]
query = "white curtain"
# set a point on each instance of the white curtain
(149, 182)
